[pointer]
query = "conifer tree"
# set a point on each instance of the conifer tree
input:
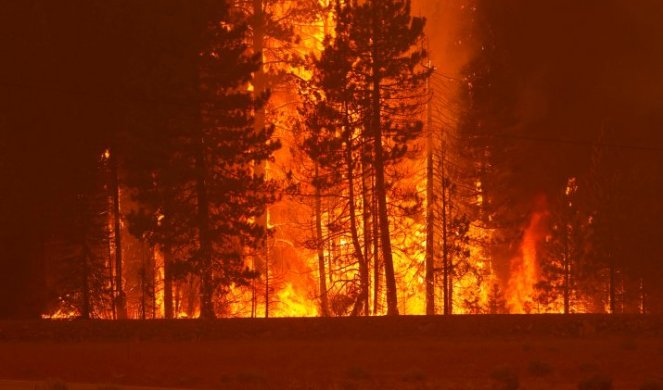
(273, 37)
(386, 39)
(198, 179)
(370, 89)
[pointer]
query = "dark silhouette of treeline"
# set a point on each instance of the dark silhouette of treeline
(74, 73)
(556, 91)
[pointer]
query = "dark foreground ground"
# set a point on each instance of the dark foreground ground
(462, 352)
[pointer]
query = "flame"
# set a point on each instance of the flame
(524, 273)
(60, 314)
(294, 290)
(292, 303)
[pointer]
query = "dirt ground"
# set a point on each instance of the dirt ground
(488, 352)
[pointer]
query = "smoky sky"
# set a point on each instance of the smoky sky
(579, 73)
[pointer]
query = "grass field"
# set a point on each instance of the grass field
(462, 352)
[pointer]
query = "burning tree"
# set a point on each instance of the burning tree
(160, 197)
(564, 249)
(199, 179)
(367, 90)
(79, 280)
(274, 39)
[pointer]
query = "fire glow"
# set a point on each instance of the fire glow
(525, 268)
(297, 261)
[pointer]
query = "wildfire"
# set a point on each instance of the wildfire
(60, 314)
(524, 272)
(289, 286)
(293, 303)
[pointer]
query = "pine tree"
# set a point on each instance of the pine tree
(564, 250)
(352, 93)
(334, 144)
(273, 38)
(194, 175)
(385, 37)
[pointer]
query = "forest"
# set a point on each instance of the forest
(166, 159)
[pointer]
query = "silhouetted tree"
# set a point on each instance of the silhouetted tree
(384, 38)
(196, 178)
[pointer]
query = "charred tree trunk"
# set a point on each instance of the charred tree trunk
(430, 214)
(259, 91)
(380, 185)
(366, 223)
(143, 291)
(445, 241)
(377, 276)
(191, 296)
(85, 283)
(383, 216)
(361, 306)
(254, 295)
(111, 277)
(330, 248)
(612, 287)
(153, 285)
(567, 272)
(205, 244)
(120, 301)
(168, 310)
(324, 303)
(267, 302)
(643, 296)
(450, 258)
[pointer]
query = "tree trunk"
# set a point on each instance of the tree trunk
(430, 214)
(143, 288)
(450, 260)
(643, 296)
(206, 286)
(254, 294)
(267, 302)
(111, 278)
(612, 287)
(324, 303)
(366, 223)
(445, 243)
(120, 298)
(381, 189)
(377, 276)
(567, 271)
(85, 283)
(168, 311)
(385, 235)
(331, 249)
(361, 306)
(153, 285)
(259, 89)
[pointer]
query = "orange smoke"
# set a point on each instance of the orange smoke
(524, 272)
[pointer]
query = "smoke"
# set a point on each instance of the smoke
(567, 79)
(448, 33)
(577, 70)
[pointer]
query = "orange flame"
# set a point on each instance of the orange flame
(524, 273)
